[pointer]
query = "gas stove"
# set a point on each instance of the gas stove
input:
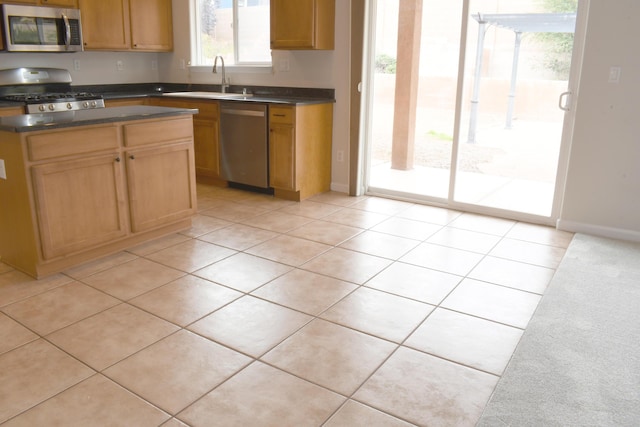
(53, 102)
(45, 90)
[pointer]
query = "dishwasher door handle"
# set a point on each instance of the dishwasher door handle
(235, 112)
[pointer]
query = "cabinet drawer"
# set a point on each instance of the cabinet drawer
(206, 109)
(70, 142)
(281, 115)
(157, 132)
(11, 111)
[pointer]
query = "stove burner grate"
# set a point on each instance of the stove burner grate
(39, 98)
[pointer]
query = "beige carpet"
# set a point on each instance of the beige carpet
(578, 362)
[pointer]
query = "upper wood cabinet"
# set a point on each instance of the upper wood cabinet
(302, 24)
(151, 25)
(52, 3)
(142, 25)
(105, 24)
(60, 3)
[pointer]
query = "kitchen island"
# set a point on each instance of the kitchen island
(75, 186)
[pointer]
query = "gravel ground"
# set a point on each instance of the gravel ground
(431, 151)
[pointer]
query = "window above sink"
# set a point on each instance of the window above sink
(238, 30)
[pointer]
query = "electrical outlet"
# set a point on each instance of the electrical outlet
(76, 64)
(340, 156)
(284, 65)
(154, 64)
(182, 64)
(119, 65)
(3, 171)
(614, 74)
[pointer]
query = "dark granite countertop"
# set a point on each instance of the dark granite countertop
(251, 98)
(264, 94)
(63, 119)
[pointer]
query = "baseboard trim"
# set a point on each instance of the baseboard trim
(598, 230)
(340, 188)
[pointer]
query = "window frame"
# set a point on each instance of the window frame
(196, 53)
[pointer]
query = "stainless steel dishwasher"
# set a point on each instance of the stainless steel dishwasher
(244, 143)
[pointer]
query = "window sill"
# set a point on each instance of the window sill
(248, 69)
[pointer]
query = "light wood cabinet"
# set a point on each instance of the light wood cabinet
(124, 102)
(282, 148)
(61, 3)
(11, 111)
(83, 192)
(157, 179)
(302, 24)
(206, 131)
(300, 150)
(158, 174)
(140, 25)
(151, 25)
(52, 3)
(105, 24)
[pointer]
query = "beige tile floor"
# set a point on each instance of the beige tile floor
(336, 311)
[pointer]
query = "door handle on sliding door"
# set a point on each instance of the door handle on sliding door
(564, 96)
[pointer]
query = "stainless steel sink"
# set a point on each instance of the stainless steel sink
(209, 95)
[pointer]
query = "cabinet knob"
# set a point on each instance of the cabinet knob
(132, 157)
(117, 159)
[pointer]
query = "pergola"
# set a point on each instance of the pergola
(519, 23)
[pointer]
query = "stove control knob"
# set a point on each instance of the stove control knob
(69, 106)
(85, 104)
(52, 107)
(42, 107)
(94, 104)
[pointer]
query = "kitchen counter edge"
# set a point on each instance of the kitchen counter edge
(66, 119)
(265, 99)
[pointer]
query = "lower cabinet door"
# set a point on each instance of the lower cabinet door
(282, 157)
(161, 184)
(80, 204)
(205, 143)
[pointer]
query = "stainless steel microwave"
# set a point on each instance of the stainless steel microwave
(41, 29)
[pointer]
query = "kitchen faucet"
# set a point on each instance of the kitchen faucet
(215, 70)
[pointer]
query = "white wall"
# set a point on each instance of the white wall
(603, 183)
(95, 67)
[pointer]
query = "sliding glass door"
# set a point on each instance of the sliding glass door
(464, 101)
(413, 86)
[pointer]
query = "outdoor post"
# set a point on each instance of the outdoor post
(514, 76)
(473, 117)
(407, 78)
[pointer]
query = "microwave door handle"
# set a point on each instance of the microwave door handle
(67, 31)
